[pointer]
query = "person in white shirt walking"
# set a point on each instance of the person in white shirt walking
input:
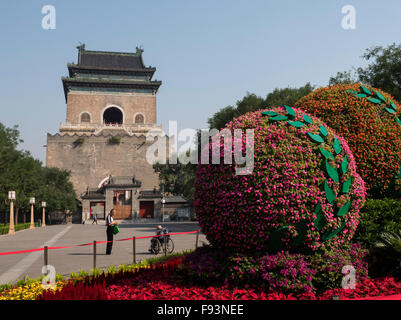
(110, 223)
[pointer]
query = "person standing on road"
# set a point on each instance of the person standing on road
(94, 218)
(110, 223)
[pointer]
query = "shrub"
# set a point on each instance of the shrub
(282, 272)
(114, 140)
(243, 270)
(205, 265)
(377, 216)
(368, 119)
(18, 227)
(286, 273)
(386, 255)
(78, 142)
(328, 266)
(303, 194)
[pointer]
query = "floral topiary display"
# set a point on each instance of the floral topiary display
(368, 119)
(303, 194)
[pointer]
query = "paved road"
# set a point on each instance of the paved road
(65, 261)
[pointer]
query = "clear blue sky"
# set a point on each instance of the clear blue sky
(208, 53)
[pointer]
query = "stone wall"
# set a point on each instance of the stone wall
(95, 103)
(95, 159)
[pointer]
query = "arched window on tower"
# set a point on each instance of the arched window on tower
(139, 118)
(85, 117)
(112, 116)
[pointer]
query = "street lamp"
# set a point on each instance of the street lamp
(44, 214)
(163, 202)
(11, 197)
(32, 202)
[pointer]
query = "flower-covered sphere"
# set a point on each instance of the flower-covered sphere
(303, 194)
(368, 119)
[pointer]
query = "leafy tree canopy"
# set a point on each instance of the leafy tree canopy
(20, 172)
(177, 179)
(252, 102)
(383, 70)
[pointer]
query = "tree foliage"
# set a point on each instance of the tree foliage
(177, 179)
(383, 70)
(20, 172)
(252, 102)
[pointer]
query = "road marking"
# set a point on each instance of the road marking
(19, 268)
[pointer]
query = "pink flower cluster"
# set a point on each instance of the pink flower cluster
(242, 211)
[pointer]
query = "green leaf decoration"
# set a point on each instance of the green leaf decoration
(331, 172)
(389, 110)
(347, 185)
(392, 104)
(398, 120)
(352, 92)
(365, 90)
(374, 100)
(316, 138)
(275, 243)
(380, 96)
(279, 118)
(296, 124)
(330, 195)
(331, 235)
(326, 154)
(337, 146)
(344, 165)
(307, 119)
(323, 131)
(361, 95)
(290, 111)
(320, 218)
(344, 209)
(269, 113)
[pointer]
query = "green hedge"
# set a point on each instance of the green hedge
(377, 216)
(17, 227)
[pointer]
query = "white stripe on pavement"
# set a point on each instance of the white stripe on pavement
(19, 268)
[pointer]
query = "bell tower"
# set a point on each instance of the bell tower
(111, 107)
(109, 90)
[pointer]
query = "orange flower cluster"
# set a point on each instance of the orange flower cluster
(372, 132)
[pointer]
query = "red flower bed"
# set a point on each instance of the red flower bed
(169, 289)
(368, 288)
(161, 283)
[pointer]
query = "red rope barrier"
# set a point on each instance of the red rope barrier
(90, 244)
(23, 251)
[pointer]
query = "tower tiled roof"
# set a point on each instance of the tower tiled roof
(110, 71)
(109, 59)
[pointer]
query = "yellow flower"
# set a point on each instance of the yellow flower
(26, 292)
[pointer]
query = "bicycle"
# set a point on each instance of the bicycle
(156, 245)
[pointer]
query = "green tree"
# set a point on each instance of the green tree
(287, 96)
(20, 172)
(252, 102)
(57, 190)
(342, 78)
(383, 71)
(177, 179)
